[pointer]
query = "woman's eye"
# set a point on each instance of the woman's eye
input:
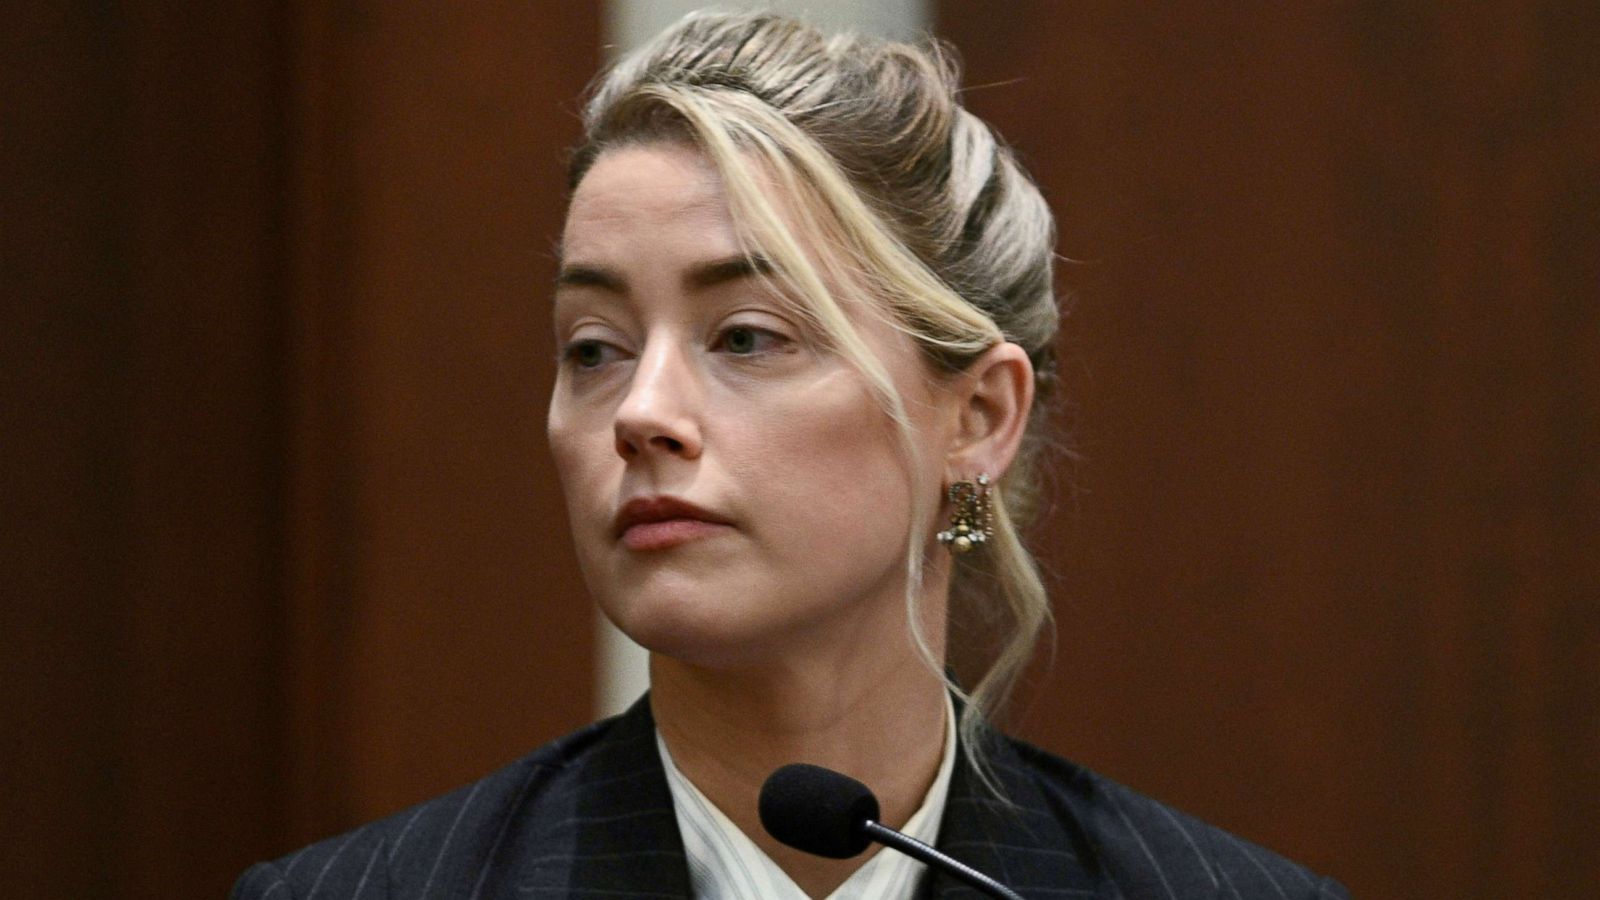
(588, 354)
(743, 340)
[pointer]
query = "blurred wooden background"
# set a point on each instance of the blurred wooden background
(284, 550)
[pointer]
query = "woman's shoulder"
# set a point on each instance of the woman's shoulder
(1151, 849)
(437, 847)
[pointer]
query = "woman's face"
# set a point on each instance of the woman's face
(736, 493)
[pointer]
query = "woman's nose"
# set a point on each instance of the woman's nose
(658, 414)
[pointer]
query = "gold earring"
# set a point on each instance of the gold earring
(971, 522)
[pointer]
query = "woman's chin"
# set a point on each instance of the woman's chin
(699, 637)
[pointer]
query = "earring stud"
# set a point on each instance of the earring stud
(971, 521)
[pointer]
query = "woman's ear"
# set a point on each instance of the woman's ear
(994, 395)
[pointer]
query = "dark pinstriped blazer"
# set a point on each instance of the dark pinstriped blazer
(590, 816)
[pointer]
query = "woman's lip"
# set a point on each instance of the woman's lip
(648, 510)
(666, 533)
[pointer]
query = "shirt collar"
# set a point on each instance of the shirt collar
(725, 863)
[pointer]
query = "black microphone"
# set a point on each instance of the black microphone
(825, 813)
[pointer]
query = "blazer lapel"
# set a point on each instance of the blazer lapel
(1021, 841)
(627, 840)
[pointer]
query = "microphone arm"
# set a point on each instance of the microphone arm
(916, 849)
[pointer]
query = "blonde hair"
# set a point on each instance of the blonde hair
(892, 190)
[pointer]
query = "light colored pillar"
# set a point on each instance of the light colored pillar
(622, 672)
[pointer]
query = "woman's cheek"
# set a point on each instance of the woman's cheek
(584, 455)
(848, 453)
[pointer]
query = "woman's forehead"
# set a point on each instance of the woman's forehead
(659, 209)
(650, 181)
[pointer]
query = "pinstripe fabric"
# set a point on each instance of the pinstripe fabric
(591, 816)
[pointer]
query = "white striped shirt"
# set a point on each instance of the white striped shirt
(724, 864)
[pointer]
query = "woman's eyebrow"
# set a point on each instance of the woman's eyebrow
(720, 271)
(590, 276)
(698, 276)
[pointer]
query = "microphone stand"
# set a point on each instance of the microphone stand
(916, 849)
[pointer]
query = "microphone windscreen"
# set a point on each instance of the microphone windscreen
(817, 810)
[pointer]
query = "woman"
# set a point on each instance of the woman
(806, 314)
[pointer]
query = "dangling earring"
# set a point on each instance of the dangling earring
(972, 522)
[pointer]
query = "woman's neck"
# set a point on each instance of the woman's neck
(879, 720)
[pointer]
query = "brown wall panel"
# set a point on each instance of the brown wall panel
(140, 507)
(1330, 566)
(60, 462)
(198, 635)
(282, 535)
(439, 625)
